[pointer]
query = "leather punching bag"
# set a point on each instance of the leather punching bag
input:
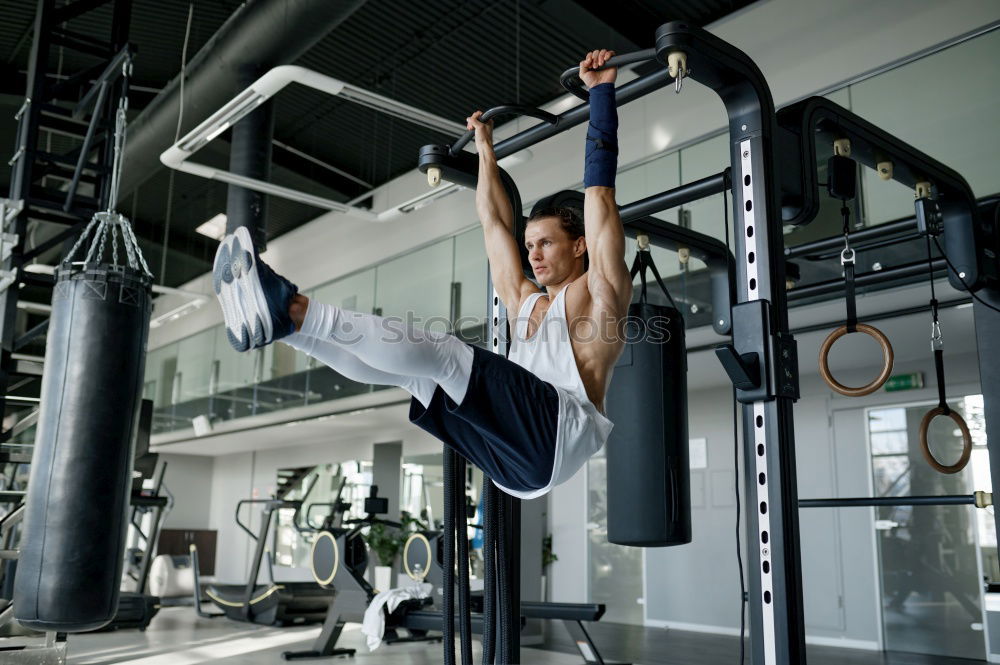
(70, 567)
(648, 474)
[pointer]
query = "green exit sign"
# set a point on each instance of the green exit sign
(905, 382)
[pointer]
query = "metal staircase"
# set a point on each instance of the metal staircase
(63, 185)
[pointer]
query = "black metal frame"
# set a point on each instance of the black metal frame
(970, 229)
(759, 327)
(897, 231)
(817, 118)
(836, 285)
(637, 217)
(762, 358)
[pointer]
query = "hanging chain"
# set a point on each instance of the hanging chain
(79, 241)
(119, 150)
(110, 222)
(137, 251)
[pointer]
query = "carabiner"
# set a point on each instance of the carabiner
(937, 340)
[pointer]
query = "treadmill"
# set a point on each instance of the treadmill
(274, 604)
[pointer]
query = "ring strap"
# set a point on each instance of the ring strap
(639, 267)
(936, 343)
(644, 260)
(939, 369)
(852, 312)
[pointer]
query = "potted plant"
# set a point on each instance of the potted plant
(384, 542)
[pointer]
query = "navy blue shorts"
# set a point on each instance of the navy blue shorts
(506, 425)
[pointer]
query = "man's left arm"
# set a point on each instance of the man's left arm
(608, 277)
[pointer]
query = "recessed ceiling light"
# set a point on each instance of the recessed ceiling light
(214, 228)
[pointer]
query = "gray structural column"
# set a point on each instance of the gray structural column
(387, 473)
(250, 155)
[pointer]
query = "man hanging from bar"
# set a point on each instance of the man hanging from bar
(532, 420)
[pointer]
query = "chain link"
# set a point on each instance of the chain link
(110, 222)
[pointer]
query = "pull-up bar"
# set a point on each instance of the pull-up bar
(979, 499)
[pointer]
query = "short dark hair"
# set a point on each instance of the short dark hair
(570, 219)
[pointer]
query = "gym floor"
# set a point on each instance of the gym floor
(178, 637)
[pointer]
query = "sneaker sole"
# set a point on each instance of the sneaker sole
(226, 291)
(251, 302)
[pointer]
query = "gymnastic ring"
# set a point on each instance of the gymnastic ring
(966, 441)
(824, 357)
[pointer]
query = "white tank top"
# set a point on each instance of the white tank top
(548, 354)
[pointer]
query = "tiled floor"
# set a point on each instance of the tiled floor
(178, 637)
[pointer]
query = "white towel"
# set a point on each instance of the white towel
(373, 625)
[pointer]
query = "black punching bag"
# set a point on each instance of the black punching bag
(70, 566)
(648, 477)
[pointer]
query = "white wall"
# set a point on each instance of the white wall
(567, 521)
(231, 481)
(696, 586)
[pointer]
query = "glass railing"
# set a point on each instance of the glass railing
(442, 286)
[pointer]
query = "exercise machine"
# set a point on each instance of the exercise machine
(272, 604)
(423, 561)
(339, 561)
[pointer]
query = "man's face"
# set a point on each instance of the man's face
(553, 254)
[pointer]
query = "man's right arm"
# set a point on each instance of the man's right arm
(497, 217)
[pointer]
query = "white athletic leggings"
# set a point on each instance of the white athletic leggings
(385, 351)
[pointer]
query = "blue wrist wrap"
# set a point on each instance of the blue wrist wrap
(601, 162)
